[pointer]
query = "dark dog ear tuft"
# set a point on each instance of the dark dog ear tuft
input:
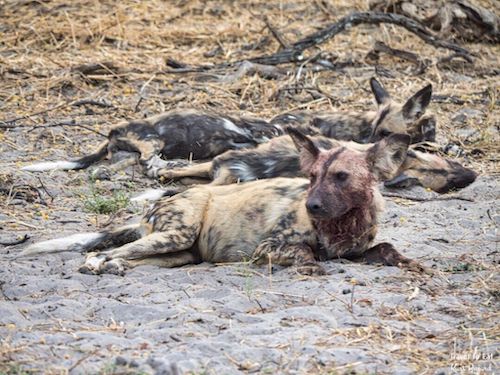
(308, 150)
(415, 107)
(381, 95)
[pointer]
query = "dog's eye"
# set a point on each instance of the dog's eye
(341, 176)
(384, 133)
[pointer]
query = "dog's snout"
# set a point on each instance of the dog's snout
(313, 206)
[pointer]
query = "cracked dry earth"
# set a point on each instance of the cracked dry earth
(236, 318)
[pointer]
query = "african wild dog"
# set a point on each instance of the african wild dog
(286, 221)
(175, 134)
(279, 158)
(390, 117)
(197, 135)
(432, 171)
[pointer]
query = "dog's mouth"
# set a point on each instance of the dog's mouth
(402, 181)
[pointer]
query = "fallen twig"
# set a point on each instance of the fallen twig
(7, 124)
(277, 35)
(381, 47)
(4, 124)
(98, 68)
(358, 18)
(84, 358)
(249, 68)
(100, 103)
(25, 238)
(426, 199)
(45, 189)
(71, 122)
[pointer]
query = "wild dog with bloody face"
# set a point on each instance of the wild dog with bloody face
(297, 221)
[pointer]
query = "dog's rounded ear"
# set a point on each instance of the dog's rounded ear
(386, 157)
(307, 149)
(381, 95)
(415, 107)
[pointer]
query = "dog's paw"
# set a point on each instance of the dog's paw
(101, 173)
(115, 267)
(93, 264)
(165, 173)
(311, 269)
(415, 266)
(152, 172)
(98, 263)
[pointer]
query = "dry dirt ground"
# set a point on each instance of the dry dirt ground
(236, 318)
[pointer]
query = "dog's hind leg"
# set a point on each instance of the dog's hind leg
(224, 176)
(166, 260)
(98, 263)
(200, 170)
(175, 226)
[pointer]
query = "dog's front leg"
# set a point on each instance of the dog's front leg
(386, 254)
(201, 170)
(300, 255)
(105, 172)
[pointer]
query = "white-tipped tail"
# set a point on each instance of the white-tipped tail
(149, 195)
(52, 165)
(76, 242)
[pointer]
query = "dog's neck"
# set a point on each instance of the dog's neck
(348, 235)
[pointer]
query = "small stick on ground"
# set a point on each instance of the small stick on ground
(77, 363)
(426, 199)
(99, 103)
(5, 123)
(45, 189)
(381, 47)
(71, 122)
(25, 238)
(277, 35)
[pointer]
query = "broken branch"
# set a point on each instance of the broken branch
(294, 53)
(426, 199)
(25, 238)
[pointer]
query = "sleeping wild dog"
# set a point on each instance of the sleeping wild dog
(279, 158)
(197, 135)
(286, 221)
(175, 134)
(389, 118)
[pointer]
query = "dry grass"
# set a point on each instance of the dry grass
(45, 44)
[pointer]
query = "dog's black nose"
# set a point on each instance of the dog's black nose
(313, 206)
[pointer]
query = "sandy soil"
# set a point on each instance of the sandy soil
(226, 319)
(239, 318)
